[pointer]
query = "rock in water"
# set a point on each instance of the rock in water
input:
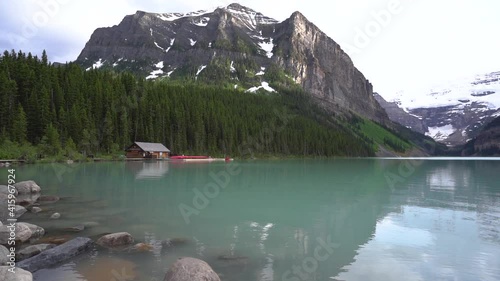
(141, 247)
(115, 240)
(57, 254)
(20, 210)
(31, 251)
(3, 255)
(36, 210)
(19, 275)
(48, 199)
(36, 230)
(168, 243)
(190, 269)
(110, 268)
(76, 228)
(23, 233)
(27, 187)
(5, 190)
(55, 216)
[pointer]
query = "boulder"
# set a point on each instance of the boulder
(36, 230)
(23, 233)
(3, 255)
(57, 254)
(190, 269)
(19, 275)
(20, 210)
(4, 189)
(27, 199)
(33, 250)
(115, 240)
(26, 187)
(35, 210)
(55, 216)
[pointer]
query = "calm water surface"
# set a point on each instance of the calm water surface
(366, 219)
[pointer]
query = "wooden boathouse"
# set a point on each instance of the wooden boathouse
(147, 150)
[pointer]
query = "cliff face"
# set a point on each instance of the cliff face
(487, 142)
(400, 116)
(240, 45)
(324, 69)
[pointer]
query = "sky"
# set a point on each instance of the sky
(398, 45)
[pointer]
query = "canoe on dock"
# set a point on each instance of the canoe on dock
(193, 158)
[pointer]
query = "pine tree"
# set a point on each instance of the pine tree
(19, 126)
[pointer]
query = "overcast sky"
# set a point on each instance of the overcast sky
(397, 44)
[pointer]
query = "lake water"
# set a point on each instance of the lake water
(338, 219)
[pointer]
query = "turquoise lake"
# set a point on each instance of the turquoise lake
(336, 219)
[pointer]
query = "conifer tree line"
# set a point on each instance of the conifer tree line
(64, 110)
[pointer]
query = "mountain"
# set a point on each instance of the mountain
(398, 115)
(452, 113)
(236, 47)
(487, 142)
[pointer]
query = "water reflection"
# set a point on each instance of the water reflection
(446, 228)
(441, 223)
(148, 169)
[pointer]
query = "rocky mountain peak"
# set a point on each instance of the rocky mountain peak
(238, 46)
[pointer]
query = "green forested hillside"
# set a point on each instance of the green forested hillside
(65, 111)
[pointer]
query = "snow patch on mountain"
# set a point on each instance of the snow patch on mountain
(192, 42)
(248, 16)
(202, 21)
(170, 72)
(267, 47)
(159, 65)
(98, 64)
(200, 69)
(441, 133)
(483, 89)
(264, 85)
(155, 73)
(176, 16)
(261, 72)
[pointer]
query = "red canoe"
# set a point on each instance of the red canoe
(189, 157)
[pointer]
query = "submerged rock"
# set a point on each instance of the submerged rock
(109, 268)
(55, 216)
(57, 254)
(90, 224)
(35, 210)
(48, 199)
(190, 269)
(231, 258)
(115, 240)
(58, 240)
(27, 187)
(19, 275)
(168, 243)
(33, 250)
(76, 228)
